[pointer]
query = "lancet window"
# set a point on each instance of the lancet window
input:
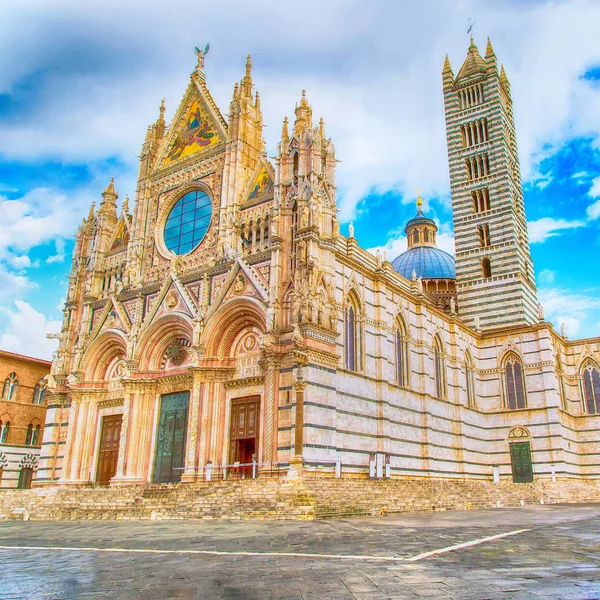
(591, 388)
(4, 429)
(439, 368)
(471, 96)
(401, 354)
(39, 392)
(474, 133)
(483, 231)
(352, 335)
(9, 390)
(486, 268)
(514, 383)
(481, 200)
(477, 166)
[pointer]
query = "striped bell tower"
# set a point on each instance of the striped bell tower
(494, 273)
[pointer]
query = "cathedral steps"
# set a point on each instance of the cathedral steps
(312, 498)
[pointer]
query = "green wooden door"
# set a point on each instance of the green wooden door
(520, 458)
(170, 441)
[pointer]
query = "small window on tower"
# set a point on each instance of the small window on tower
(486, 267)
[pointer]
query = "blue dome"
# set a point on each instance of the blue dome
(427, 262)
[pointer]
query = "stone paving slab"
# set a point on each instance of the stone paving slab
(558, 558)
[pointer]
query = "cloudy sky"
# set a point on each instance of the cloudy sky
(80, 82)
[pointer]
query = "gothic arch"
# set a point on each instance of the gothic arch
(231, 318)
(590, 386)
(515, 394)
(101, 353)
(155, 340)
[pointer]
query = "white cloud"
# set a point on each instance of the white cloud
(593, 211)
(371, 74)
(26, 331)
(547, 227)
(546, 277)
(396, 244)
(60, 252)
(572, 309)
(594, 191)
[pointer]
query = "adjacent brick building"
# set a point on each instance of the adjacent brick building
(22, 417)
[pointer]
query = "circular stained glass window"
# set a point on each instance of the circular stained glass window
(188, 222)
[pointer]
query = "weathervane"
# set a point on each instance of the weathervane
(201, 54)
(471, 23)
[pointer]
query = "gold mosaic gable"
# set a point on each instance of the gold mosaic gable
(197, 128)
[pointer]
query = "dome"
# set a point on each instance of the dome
(427, 262)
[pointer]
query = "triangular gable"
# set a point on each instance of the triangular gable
(240, 281)
(173, 297)
(586, 353)
(509, 346)
(262, 184)
(121, 235)
(197, 127)
(113, 316)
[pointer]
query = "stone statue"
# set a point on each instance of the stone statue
(452, 306)
(563, 330)
(351, 229)
(270, 318)
(540, 310)
(201, 54)
(379, 260)
(297, 336)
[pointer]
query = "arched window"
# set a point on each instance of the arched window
(29, 436)
(439, 368)
(25, 477)
(514, 383)
(9, 391)
(4, 429)
(416, 236)
(352, 340)
(591, 388)
(35, 441)
(293, 231)
(401, 354)
(470, 379)
(486, 267)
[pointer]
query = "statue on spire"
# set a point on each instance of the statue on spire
(201, 54)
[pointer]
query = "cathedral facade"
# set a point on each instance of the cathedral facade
(226, 321)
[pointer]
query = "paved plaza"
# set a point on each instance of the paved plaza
(528, 552)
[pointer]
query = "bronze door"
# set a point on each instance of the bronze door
(109, 449)
(244, 432)
(170, 441)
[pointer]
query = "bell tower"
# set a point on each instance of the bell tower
(493, 261)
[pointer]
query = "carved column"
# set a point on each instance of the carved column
(270, 364)
(206, 422)
(296, 463)
(68, 451)
(189, 473)
(123, 441)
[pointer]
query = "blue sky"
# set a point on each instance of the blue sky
(80, 82)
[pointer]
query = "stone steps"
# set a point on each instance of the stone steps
(310, 498)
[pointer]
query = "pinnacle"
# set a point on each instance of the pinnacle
(447, 67)
(489, 51)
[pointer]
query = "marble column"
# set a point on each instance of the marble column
(123, 441)
(190, 472)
